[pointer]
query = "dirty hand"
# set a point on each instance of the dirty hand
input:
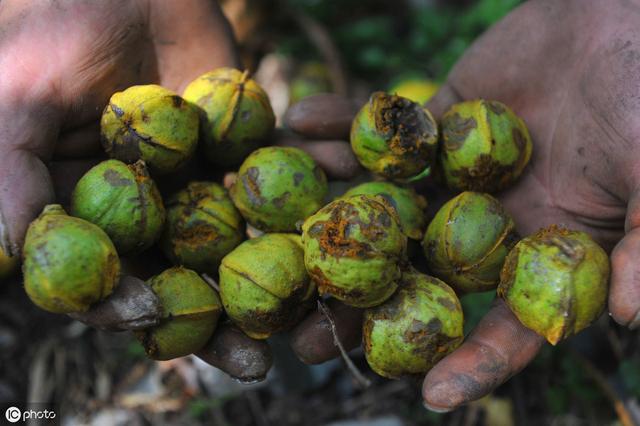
(60, 61)
(571, 70)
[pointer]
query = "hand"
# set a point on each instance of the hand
(61, 61)
(570, 69)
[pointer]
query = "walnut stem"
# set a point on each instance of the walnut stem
(211, 282)
(357, 375)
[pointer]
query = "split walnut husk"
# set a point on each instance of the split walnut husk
(190, 312)
(203, 226)
(264, 286)
(277, 187)
(122, 200)
(152, 124)
(485, 146)
(467, 241)
(556, 282)
(354, 249)
(413, 330)
(394, 137)
(235, 114)
(68, 263)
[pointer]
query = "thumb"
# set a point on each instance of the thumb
(27, 135)
(624, 295)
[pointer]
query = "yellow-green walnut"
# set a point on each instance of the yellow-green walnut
(485, 146)
(394, 137)
(203, 226)
(190, 312)
(68, 263)
(354, 249)
(467, 241)
(122, 200)
(556, 282)
(408, 204)
(277, 187)
(236, 115)
(264, 286)
(150, 123)
(413, 330)
(417, 89)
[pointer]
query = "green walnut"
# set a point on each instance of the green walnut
(467, 241)
(556, 282)
(190, 312)
(408, 204)
(485, 146)
(394, 137)
(150, 123)
(413, 330)
(236, 115)
(123, 201)
(264, 286)
(354, 249)
(202, 227)
(277, 187)
(68, 263)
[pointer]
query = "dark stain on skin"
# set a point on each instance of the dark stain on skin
(470, 387)
(447, 303)
(493, 368)
(495, 107)
(456, 130)
(114, 178)
(252, 187)
(297, 178)
(281, 201)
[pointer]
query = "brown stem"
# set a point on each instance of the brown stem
(358, 376)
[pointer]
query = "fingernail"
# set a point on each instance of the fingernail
(5, 245)
(435, 409)
(635, 323)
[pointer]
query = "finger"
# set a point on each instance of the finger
(324, 116)
(238, 355)
(499, 347)
(336, 158)
(131, 306)
(27, 136)
(312, 340)
(624, 294)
